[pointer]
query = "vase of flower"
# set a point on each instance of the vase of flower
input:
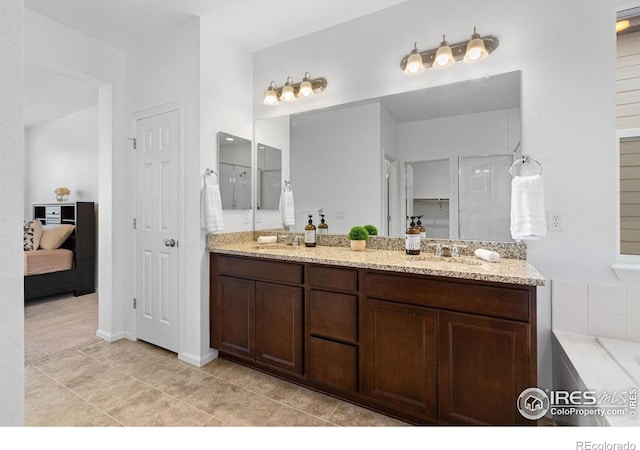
(62, 194)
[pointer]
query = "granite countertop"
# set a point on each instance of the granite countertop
(513, 271)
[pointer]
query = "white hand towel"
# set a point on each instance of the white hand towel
(267, 239)
(487, 255)
(287, 208)
(527, 208)
(211, 209)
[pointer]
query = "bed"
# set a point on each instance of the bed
(59, 250)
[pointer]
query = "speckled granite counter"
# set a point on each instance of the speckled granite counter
(514, 271)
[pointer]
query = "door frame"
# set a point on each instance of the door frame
(177, 105)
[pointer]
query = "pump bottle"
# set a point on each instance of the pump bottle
(310, 233)
(423, 231)
(412, 238)
(323, 228)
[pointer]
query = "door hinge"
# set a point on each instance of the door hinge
(135, 143)
(135, 303)
(135, 223)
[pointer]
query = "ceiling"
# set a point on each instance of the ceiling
(254, 24)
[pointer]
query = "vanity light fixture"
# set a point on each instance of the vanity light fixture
(475, 49)
(287, 94)
(306, 90)
(414, 64)
(271, 96)
(290, 91)
(444, 58)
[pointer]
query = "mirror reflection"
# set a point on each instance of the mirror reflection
(443, 153)
(269, 177)
(234, 171)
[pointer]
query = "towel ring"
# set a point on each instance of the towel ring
(287, 185)
(525, 159)
(207, 173)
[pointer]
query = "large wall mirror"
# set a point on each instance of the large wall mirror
(442, 153)
(234, 171)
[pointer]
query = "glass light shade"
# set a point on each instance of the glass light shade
(287, 93)
(306, 90)
(444, 57)
(476, 51)
(414, 63)
(271, 97)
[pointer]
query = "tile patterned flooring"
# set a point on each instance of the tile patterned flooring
(135, 384)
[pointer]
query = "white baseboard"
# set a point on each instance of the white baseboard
(112, 337)
(199, 361)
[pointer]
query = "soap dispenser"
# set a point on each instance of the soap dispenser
(310, 233)
(423, 231)
(323, 228)
(412, 239)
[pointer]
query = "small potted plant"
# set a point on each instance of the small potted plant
(372, 230)
(358, 238)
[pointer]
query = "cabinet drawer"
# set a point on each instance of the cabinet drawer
(333, 364)
(509, 303)
(333, 315)
(333, 278)
(256, 269)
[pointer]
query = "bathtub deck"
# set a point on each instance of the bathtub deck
(580, 363)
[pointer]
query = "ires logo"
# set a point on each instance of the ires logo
(574, 398)
(534, 403)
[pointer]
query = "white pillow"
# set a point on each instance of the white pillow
(53, 236)
(32, 234)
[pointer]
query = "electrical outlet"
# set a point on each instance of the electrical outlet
(554, 221)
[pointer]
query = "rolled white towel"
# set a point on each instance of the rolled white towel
(487, 255)
(267, 239)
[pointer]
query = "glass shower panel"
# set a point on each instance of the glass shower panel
(484, 197)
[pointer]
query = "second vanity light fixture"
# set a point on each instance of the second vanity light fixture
(290, 91)
(474, 50)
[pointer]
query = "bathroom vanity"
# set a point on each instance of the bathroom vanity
(426, 340)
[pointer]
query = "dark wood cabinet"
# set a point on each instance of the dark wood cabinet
(258, 321)
(426, 349)
(483, 366)
(401, 356)
(235, 329)
(332, 324)
(278, 326)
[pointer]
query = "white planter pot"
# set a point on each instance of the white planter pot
(358, 245)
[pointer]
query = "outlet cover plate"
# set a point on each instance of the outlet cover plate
(554, 221)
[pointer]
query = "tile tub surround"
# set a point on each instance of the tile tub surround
(596, 309)
(513, 271)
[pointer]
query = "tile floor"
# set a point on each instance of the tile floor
(135, 384)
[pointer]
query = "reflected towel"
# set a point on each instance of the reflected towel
(211, 209)
(527, 208)
(287, 208)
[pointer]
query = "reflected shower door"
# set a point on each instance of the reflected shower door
(484, 197)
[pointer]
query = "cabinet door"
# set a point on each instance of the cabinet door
(235, 316)
(400, 356)
(279, 326)
(483, 366)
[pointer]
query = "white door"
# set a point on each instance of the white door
(156, 228)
